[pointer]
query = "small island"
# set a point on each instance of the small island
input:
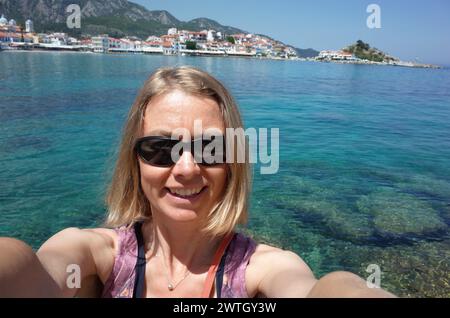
(362, 53)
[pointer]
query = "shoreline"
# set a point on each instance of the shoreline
(199, 53)
(396, 63)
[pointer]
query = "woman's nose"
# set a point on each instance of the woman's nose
(186, 166)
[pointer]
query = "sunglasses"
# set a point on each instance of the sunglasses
(159, 151)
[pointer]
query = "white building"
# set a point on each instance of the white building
(152, 47)
(100, 44)
(153, 38)
(198, 36)
(183, 36)
(29, 27)
(211, 36)
(336, 55)
(3, 20)
(172, 31)
(56, 39)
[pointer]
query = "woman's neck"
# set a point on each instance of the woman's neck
(182, 244)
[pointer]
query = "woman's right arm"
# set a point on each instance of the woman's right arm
(70, 257)
(21, 272)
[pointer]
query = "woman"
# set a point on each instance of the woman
(172, 217)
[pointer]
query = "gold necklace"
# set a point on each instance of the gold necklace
(171, 286)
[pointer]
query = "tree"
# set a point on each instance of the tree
(231, 40)
(191, 45)
(361, 45)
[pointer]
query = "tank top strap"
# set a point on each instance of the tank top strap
(120, 283)
(237, 259)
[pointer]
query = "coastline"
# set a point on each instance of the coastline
(202, 53)
(396, 63)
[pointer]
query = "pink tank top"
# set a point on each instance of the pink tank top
(121, 282)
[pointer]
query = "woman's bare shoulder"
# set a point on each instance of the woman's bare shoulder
(267, 254)
(270, 266)
(93, 249)
(108, 237)
(93, 237)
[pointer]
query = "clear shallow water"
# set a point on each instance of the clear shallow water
(364, 165)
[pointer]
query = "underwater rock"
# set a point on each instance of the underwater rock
(317, 205)
(396, 214)
(350, 225)
(421, 184)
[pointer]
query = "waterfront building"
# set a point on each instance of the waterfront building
(9, 30)
(154, 47)
(58, 38)
(114, 43)
(29, 27)
(100, 44)
(168, 48)
(86, 44)
(336, 55)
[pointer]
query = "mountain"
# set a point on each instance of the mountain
(365, 52)
(306, 52)
(115, 17)
(208, 24)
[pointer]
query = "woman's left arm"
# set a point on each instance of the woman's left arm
(277, 273)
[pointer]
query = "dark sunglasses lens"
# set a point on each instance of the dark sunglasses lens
(156, 151)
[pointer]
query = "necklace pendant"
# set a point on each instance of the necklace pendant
(170, 287)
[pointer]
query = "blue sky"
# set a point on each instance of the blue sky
(410, 29)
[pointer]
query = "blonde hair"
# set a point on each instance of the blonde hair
(125, 199)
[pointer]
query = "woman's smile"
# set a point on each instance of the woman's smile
(185, 195)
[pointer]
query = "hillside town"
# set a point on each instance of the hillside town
(175, 42)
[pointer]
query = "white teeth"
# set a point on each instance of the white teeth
(186, 192)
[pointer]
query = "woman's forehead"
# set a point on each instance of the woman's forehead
(178, 110)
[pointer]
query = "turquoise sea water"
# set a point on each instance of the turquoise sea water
(364, 155)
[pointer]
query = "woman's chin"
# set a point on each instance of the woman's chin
(181, 215)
